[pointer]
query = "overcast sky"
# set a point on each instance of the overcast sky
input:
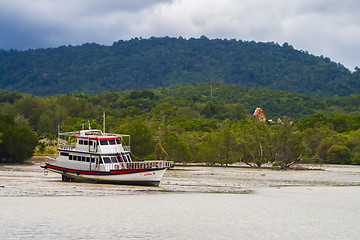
(322, 27)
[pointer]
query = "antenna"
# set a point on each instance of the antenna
(211, 87)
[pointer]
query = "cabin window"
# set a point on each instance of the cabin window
(104, 142)
(106, 160)
(83, 158)
(74, 158)
(112, 141)
(123, 158)
(81, 141)
(70, 157)
(99, 161)
(64, 154)
(92, 160)
(87, 159)
(128, 157)
(114, 160)
(118, 141)
(86, 142)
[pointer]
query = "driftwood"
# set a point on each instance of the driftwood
(253, 165)
(289, 164)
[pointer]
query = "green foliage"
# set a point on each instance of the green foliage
(142, 144)
(177, 149)
(17, 143)
(45, 114)
(339, 153)
(253, 138)
(199, 124)
(234, 101)
(338, 122)
(10, 97)
(356, 159)
(290, 144)
(163, 62)
(194, 129)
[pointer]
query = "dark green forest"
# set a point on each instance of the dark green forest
(163, 62)
(17, 140)
(205, 123)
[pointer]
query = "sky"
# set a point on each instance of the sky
(321, 27)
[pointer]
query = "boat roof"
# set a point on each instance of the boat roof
(93, 134)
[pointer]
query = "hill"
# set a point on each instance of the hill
(163, 62)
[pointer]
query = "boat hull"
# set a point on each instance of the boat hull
(144, 177)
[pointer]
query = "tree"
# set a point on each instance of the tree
(253, 138)
(142, 143)
(18, 143)
(177, 149)
(313, 138)
(206, 151)
(327, 143)
(339, 154)
(354, 145)
(225, 143)
(290, 146)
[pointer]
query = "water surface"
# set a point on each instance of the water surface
(191, 203)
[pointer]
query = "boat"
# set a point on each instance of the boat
(95, 156)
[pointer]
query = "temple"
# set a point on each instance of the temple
(259, 114)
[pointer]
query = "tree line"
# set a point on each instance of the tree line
(197, 127)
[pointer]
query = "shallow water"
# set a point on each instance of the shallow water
(191, 203)
(296, 213)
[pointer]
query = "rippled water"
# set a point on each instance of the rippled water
(191, 203)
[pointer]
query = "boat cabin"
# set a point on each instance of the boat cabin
(92, 150)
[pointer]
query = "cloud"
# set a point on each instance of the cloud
(322, 27)
(42, 23)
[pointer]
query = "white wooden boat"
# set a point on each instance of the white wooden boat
(94, 156)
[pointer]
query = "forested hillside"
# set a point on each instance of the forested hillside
(163, 62)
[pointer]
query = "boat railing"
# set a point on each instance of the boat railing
(66, 147)
(140, 165)
(126, 148)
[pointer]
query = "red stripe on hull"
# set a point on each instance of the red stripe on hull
(111, 172)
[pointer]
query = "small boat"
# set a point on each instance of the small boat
(94, 156)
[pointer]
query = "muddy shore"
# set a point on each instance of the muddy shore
(29, 180)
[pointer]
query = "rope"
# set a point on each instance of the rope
(139, 157)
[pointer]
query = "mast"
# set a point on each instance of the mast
(58, 138)
(103, 121)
